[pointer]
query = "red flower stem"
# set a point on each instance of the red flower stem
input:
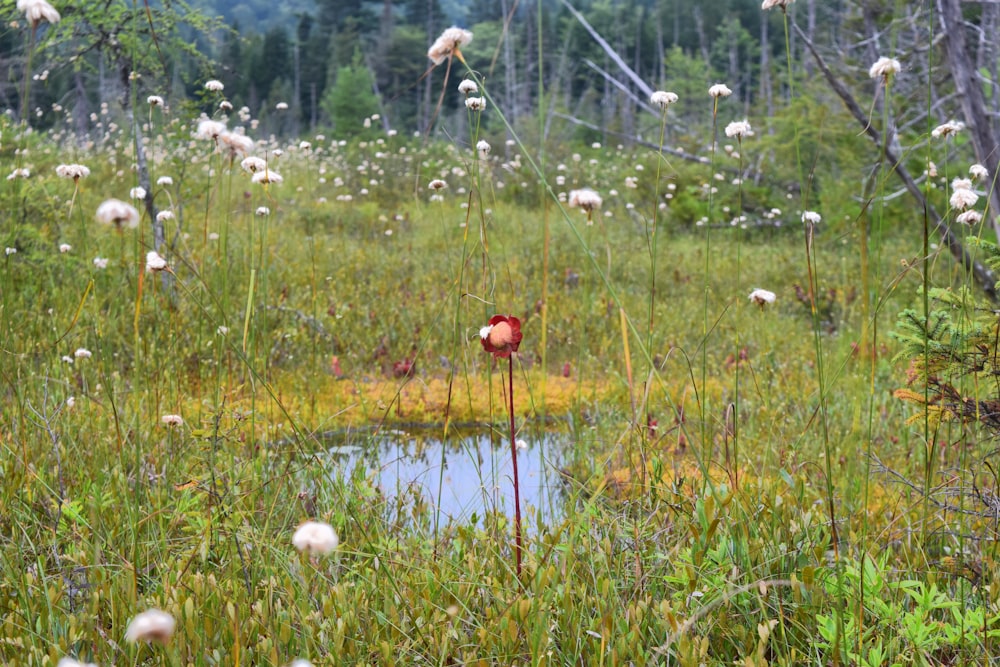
(517, 488)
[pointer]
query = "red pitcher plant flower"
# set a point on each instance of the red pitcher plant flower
(501, 336)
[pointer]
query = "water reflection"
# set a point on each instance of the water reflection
(464, 477)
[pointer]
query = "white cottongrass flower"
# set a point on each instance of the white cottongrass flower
(266, 177)
(468, 87)
(74, 171)
(263, 210)
(450, 42)
(662, 99)
(969, 217)
(70, 662)
(979, 172)
(884, 67)
(586, 199)
(300, 662)
(720, 90)
(154, 101)
(117, 213)
(316, 538)
(65, 247)
(152, 625)
(963, 198)
(164, 215)
(253, 164)
(9, 251)
(38, 10)
(214, 85)
(437, 184)
(475, 103)
(82, 353)
(138, 192)
(484, 149)
(234, 145)
(281, 106)
(155, 262)
(164, 180)
(961, 184)
(946, 129)
(209, 129)
(101, 262)
(172, 420)
(226, 105)
(762, 297)
(19, 172)
(771, 4)
(811, 217)
(739, 129)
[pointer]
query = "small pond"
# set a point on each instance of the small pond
(467, 476)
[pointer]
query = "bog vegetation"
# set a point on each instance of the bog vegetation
(752, 305)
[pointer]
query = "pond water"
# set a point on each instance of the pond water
(465, 477)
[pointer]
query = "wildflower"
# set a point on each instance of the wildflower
(586, 199)
(963, 198)
(720, 90)
(214, 86)
(20, 172)
(662, 99)
(484, 149)
(234, 145)
(267, 176)
(163, 216)
(281, 106)
(979, 172)
(37, 11)
(771, 4)
(209, 129)
(222, 330)
(10, 251)
(298, 662)
(155, 262)
(945, 129)
(70, 662)
(118, 213)
(315, 538)
(762, 297)
(74, 171)
(101, 262)
(172, 420)
(226, 105)
(961, 184)
(884, 68)
(932, 169)
(70, 404)
(263, 210)
(253, 164)
(475, 103)
(969, 217)
(164, 180)
(449, 43)
(65, 247)
(152, 625)
(501, 336)
(739, 129)
(811, 217)
(154, 101)
(82, 353)
(437, 184)
(468, 87)
(137, 193)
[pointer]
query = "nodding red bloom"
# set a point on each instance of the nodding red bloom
(501, 336)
